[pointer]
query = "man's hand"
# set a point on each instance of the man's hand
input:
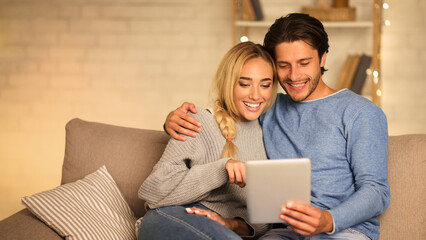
(236, 172)
(237, 225)
(306, 219)
(178, 121)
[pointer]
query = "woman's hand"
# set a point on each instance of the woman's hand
(212, 215)
(236, 172)
(237, 225)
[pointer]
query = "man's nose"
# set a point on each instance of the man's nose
(293, 73)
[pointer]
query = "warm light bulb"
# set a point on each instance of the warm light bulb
(243, 39)
(385, 6)
(379, 92)
(375, 74)
(387, 23)
(368, 71)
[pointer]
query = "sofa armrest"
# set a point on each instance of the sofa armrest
(405, 216)
(128, 153)
(24, 225)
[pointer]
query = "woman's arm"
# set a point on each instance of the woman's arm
(178, 185)
(187, 171)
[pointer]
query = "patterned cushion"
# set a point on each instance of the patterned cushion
(90, 208)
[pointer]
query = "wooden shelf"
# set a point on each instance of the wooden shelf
(346, 24)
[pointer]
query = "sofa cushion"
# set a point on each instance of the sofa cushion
(128, 153)
(406, 215)
(90, 208)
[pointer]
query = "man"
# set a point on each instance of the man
(344, 135)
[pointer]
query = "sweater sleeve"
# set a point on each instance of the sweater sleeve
(367, 151)
(185, 173)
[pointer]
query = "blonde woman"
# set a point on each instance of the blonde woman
(196, 190)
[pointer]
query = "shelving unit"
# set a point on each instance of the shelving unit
(346, 24)
(242, 28)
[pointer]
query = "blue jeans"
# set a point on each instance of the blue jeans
(289, 234)
(173, 222)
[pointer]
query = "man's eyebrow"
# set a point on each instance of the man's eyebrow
(305, 59)
(300, 60)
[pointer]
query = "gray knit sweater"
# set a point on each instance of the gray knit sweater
(193, 171)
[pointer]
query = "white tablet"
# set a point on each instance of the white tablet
(272, 183)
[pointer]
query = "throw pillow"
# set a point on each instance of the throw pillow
(90, 208)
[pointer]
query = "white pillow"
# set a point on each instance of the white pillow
(90, 208)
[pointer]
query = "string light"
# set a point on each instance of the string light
(385, 6)
(387, 23)
(375, 77)
(369, 71)
(375, 74)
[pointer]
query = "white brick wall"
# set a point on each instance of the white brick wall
(131, 62)
(403, 65)
(121, 62)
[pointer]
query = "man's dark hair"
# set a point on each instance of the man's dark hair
(294, 27)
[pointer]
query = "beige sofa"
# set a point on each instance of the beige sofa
(129, 154)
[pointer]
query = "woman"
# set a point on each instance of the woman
(196, 189)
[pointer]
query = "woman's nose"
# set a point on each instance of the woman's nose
(254, 93)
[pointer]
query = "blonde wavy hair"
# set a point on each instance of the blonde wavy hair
(227, 76)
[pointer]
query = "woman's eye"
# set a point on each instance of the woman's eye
(244, 85)
(266, 85)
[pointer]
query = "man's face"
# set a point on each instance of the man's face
(299, 70)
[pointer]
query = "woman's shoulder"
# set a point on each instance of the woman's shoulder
(204, 113)
(205, 116)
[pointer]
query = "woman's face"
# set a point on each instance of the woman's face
(254, 88)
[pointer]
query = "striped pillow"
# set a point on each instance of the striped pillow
(90, 208)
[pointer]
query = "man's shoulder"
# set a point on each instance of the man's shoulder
(357, 101)
(352, 97)
(349, 102)
(354, 106)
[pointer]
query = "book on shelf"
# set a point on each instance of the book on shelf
(361, 73)
(251, 10)
(257, 9)
(247, 12)
(348, 72)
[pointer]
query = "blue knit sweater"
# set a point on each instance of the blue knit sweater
(346, 138)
